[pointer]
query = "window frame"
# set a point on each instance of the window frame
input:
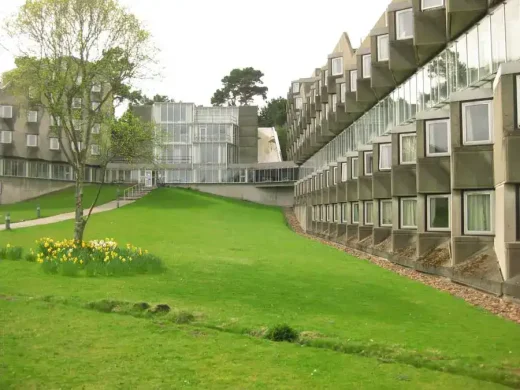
(439, 154)
(423, 8)
(354, 205)
(397, 28)
(364, 64)
(381, 212)
(296, 87)
(356, 170)
(31, 136)
(365, 165)
(381, 146)
(491, 194)
(327, 179)
(342, 92)
(94, 146)
(401, 214)
(353, 80)
(298, 103)
(30, 114)
(428, 212)
(340, 60)
(343, 211)
(344, 172)
(335, 175)
(401, 160)
(489, 104)
(334, 102)
(3, 133)
(365, 208)
(77, 102)
(54, 139)
(379, 45)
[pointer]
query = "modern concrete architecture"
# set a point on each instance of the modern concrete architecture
(406, 144)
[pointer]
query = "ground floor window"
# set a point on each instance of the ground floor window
(323, 213)
(385, 212)
(408, 208)
(369, 212)
(343, 213)
(355, 212)
(337, 212)
(330, 213)
(479, 209)
(438, 212)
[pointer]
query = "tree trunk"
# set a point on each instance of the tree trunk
(79, 221)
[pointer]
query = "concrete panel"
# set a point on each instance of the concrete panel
(352, 191)
(433, 175)
(17, 189)
(380, 234)
(382, 185)
(512, 146)
(365, 187)
(473, 167)
(430, 240)
(404, 180)
(466, 246)
(272, 196)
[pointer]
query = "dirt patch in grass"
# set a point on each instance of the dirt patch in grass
(493, 304)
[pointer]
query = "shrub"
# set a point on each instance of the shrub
(11, 253)
(282, 333)
(31, 256)
(95, 258)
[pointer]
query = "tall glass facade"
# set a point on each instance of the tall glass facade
(471, 60)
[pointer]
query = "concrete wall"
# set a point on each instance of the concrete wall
(16, 189)
(271, 196)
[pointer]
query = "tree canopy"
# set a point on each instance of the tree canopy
(75, 60)
(240, 88)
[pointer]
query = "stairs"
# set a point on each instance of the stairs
(137, 192)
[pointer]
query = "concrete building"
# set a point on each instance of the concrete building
(406, 144)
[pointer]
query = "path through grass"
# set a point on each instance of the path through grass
(58, 202)
(240, 268)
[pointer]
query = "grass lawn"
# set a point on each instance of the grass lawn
(239, 268)
(58, 202)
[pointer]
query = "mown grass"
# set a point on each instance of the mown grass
(241, 267)
(58, 202)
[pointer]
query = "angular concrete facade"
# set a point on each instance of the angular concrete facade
(417, 162)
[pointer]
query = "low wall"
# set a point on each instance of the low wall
(16, 189)
(271, 196)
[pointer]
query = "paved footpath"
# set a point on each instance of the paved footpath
(64, 217)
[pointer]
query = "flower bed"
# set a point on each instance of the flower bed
(95, 258)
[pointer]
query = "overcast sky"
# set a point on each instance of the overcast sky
(200, 41)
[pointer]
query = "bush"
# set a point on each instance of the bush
(11, 253)
(282, 333)
(95, 258)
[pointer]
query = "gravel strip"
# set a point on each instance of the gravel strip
(495, 305)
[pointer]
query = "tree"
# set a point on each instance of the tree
(76, 59)
(274, 114)
(240, 86)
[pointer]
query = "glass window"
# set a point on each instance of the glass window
(438, 212)
(408, 208)
(368, 165)
(407, 148)
(334, 102)
(477, 123)
(498, 37)
(438, 142)
(484, 48)
(353, 80)
(462, 63)
(367, 65)
(335, 175)
(330, 213)
(355, 212)
(383, 48)
(54, 144)
(6, 137)
(296, 87)
(385, 212)
(94, 150)
(404, 24)
(32, 116)
(32, 140)
(328, 179)
(512, 12)
(299, 103)
(76, 102)
(369, 213)
(337, 66)
(473, 58)
(342, 92)
(385, 157)
(354, 167)
(343, 213)
(427, 4)
(344, 172)
(478, 212)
